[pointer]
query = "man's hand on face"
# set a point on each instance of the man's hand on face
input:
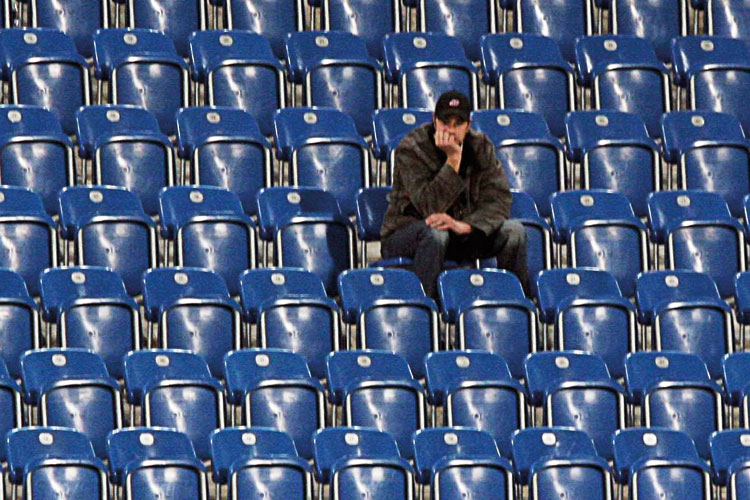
(448, 143)
(445, 222)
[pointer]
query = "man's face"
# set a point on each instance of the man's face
(453, 125)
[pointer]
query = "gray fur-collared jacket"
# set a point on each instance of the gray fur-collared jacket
(424, 184)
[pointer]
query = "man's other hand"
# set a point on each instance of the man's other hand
(445, 222)
(448, 143)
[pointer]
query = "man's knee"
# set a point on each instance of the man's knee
(514, 232)
(434, 237)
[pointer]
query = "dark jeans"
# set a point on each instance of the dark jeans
(429, 248)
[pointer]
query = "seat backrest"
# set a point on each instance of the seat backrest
(728, 18)
(198, 126)
(338, 443)
(116, 46)
(27, 119)
(175, 20)
(390, 125)
(643, 369)
(633, 445)
(42, 367)
(368, 20)
(573, 207)
(100, 122)
(693, 54)
(463, 286)
(668, 208)
(371, 204)
(359, 287)
(505, 52)
(508, 127)
(596, 55)
(60, 286)
(77, 19)
(562, 21)
(23, 203)
(26, 445)
(164, 285)
(670, 18)
(736, 375)
(278, 206)
(296, 127)
(146, 366)
(544, 369)
(728, 447)
(246, 370)
(80, 204)
(270, 19)
(21, 43)
(433, 445)
(448, 371)
(686, 130)
(347, 367)
(403, 50)
(306, 50)
(557, 285)
(467, 21)
(588, 130)
(260, 285)
(532, 444)
(655, 289)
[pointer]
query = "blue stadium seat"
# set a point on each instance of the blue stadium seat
(92, 310)
(124, 147)
(556, 461)
(51, 460)
(528, 72)
(238, 69)
(613, 151)
(730, 460)
(465, 20)
(728, 18)
(291, 310)
(391, 313)
(488, 311)
(376, 389)
(275, 389)
(653, 461)
(476, 390)
(686, 314)
(19, 322)
(190, 308)
(144, 69)
(11, 416)
(335, 70)
(742, 303)
(358, 462)
(533, 159)
(735, 376)
(308, 231)
(175, 19)
(208, 228)
(424, 65)
(675, 391)
(269, 18)
(601, 231)
(79, 19)
(713, 73)
(698, 232)
(389, 126)
(108, 228)
(71, 388)
(371, 204)
(174, 388)
(368, 20)
(658, 22)
(28, 235)
(256, 461)
(41, 67)
(710, 152)
(538, 233)
(458, 461)
(322, 148)
(563, 21)
(224, 148)
(34, 132)
(147, 462)
(588, 313)
(572, 384)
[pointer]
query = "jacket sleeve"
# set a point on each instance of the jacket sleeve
(428, 192)
(493, 204)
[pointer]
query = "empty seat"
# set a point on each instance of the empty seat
(601, 231)
(51, 460)
(19, 321)
(175, 19)
(533, 159)
(361, 463)
(321, 148)
(699, 233)
(92, 310)
(238, 69)
(588, 313)
(554, 461)
(475, 390)
(28, 235)
(424, 65)
(736, 381)
(34, 132)
(570, 385)
(255, 461)
(41, 67)
(369, 20)
(291, 310)
(686, 313)
(224, 147)
(190, 308)
(174, 388)
(742, 303)
(11, 416)
(269, 18)
(465, 20)
(675, 391)
(389, 126)
(731, 462)
(307, 230)
(728, 18)
(391, 313)
(143, 69)
(371, 204)
(652, 461)
(335, 70)
(208, 228)
(538, 233)
(78, 19)
(146, 461)
(124, 147)
(376, 389)
(274, 388)
(710, 152)
(457, 461)
(528, 72)
(613, 151)
(71, 388)
(108, 228)
(713, 74)
(488, 311)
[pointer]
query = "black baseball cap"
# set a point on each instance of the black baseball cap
(453, 103)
